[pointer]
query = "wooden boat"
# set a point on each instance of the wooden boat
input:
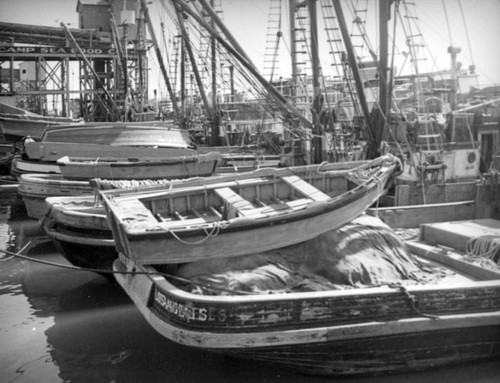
(225, 219)
(117, 140)
(86, 248)
(16, 123)
(385, 327)
(125, 139)
(35, 188)
(20, 166)
(198, 165)
(78, 225)
(80, 232)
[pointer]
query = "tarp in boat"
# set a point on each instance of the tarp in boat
(363, 253)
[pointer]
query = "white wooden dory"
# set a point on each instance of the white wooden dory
(243, 216)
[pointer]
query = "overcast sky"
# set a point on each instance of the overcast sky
(248, 21)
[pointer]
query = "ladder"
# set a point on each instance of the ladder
(205, 52)
(273, 38)
(342, 74)
(301, 51)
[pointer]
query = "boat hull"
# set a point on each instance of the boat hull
(354, 332)
(15, 128)
(146, 241)
(93, 250)
(22, 166)
(174, 168)
(35, 188)
(227, 242)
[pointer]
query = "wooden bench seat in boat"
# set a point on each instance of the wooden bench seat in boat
(236, 203)
(305, 188)
(244, 208)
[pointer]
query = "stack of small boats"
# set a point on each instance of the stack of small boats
(66, 158)
(80, 228)
(281, 265)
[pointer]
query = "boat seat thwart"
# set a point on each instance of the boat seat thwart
(305, 188)
(236, 205)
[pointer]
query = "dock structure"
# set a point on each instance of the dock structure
(41, 75)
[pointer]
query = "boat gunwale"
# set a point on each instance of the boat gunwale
(131, 162)
(77, 238)
(157, 190)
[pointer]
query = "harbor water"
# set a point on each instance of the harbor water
(62, 325)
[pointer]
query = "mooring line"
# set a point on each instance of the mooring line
(11, 255)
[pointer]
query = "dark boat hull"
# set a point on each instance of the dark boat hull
(87, 249)
(341, 333)
(384, 355)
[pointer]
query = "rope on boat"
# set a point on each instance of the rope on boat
(413, 300)
(487, 246)
(11, 255)
(29, 243)
(209, 234)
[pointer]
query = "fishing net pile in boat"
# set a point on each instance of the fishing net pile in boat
(363, 253)
(106, 184)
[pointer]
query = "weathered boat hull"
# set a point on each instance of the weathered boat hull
(96, 140)
(173, 168)
(22, 166)
(158, 134)
(240, 241)
(35, 188)
(86, 215)
(350, 332)
(52, 151)
(141, 236)
(89, 249)
(13, 129)
(16, 123)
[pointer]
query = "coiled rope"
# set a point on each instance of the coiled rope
(487, 246)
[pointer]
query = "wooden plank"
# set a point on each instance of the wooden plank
(305, 188)
(402, 195)
(456, 234)
(189, 222)
(412, 216)
(189, 190)
(434, 193)
(233, 198)
(237, 204)
(452, 260)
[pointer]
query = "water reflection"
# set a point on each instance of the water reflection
(63, 325)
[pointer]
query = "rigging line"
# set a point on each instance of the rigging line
(467, 36)
(447, 22)
(412, 52)
(11, 255)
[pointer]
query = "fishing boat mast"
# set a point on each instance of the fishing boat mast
(237, 54)
(351, 57)
(160, 60)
